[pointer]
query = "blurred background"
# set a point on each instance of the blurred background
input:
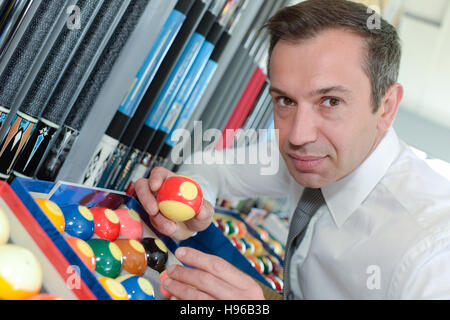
(423, 120)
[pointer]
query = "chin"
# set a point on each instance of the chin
(309, 180)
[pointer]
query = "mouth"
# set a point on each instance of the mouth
(307, 162)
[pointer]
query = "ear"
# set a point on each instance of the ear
(389, 106)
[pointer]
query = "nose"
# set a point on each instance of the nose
(304, 129)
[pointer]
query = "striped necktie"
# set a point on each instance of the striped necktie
(310, 201)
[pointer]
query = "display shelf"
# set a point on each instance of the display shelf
(54, 245)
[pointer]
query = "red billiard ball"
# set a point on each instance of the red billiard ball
(134, 259)
(275, 282)
(131, 226)
(107, 223)
(179, 198)
(163, 276)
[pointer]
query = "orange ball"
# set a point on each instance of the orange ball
(84, 251)
(133, 256)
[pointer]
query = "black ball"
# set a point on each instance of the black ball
(156, 253)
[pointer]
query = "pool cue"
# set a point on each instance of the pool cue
(74, 122)
(137, 123)
(166, 49)
(59, 103)
(42, 87)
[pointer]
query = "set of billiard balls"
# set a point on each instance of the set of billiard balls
(109, 242)
(252, 249)
(21, 274)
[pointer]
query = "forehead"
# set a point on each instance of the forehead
(334, 56)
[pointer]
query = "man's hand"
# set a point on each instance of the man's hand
(213, 278)
(146, 190)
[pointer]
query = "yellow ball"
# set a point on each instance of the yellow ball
(4, 228)
(20, 273)
(53, 212)
(114, 288)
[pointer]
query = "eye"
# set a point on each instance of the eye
(331, 102)
(284, 101)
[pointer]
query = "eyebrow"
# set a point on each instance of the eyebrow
(317, 92)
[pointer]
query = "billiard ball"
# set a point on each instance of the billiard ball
(179, 198)
(242, 228)
(256, 263)
(108, 257)
(79, 221)
(275, 282)
(267, 264)
(84, 251)
(163, 276)
(276, 267)
(249, 246)
(134, 259)
(156, 253)
(44, 296)
(20, 273)
(53, 213)
(131, 226)
(107, 223)
(114, 288)
(259, 248)
(138, 288)
(276, 247)
(232, 230)
(4, 228)
(263, 234)
(222, 226)
(237, 244)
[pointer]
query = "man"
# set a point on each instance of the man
(382, 230)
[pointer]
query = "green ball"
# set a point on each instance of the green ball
(108, 257)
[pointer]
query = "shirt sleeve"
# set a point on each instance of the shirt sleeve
(247, 172)
(426, 271)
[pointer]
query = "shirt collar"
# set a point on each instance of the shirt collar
(343, 197)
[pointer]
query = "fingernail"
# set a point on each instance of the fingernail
(167, 283)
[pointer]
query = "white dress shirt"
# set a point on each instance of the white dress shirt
(383, 234)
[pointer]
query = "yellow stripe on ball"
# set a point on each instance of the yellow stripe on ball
(176, 211)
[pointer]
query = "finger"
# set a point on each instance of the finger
(157, 177)
(146, 197)
(163, 225)
(182, 291)
(203, 281)
(216, 266)
(203, 219)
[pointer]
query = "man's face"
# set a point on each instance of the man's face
(322, 106)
